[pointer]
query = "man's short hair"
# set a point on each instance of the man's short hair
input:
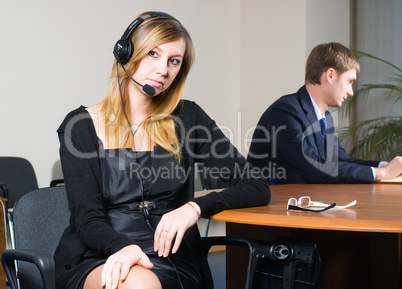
(329, 55)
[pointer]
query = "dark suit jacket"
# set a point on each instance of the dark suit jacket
(288, 147)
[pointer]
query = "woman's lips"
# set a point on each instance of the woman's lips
(156, 83)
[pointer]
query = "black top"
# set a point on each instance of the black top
(130, 178)
(201, 141)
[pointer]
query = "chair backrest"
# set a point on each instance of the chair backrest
(40, 218)
(19, 175)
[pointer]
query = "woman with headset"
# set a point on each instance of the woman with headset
(128, 166)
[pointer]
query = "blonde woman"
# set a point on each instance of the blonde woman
(128, 164)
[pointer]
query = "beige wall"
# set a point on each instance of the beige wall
(273, 50)
(56, 55)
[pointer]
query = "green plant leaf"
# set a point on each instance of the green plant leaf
(378, 139)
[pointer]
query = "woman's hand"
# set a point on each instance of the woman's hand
(118, 265)
(174, 224)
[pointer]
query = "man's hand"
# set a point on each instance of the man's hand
(389, 170)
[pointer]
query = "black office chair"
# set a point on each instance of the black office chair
(57, 182)
(17, 177)
(283, 264)
(41, 216)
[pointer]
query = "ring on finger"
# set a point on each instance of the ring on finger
(118, 262)
(165, 231)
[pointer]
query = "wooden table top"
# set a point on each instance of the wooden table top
(378, 208)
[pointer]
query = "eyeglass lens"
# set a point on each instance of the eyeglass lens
(304, 201)
(292, 202)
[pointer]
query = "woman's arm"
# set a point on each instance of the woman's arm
(204, 142)
(246, 186)
(81, 169)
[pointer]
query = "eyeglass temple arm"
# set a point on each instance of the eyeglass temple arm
(319, 204)
(348, 205)
(291, 207)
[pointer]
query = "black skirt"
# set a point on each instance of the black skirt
(179, 268)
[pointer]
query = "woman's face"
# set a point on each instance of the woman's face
(160, 67)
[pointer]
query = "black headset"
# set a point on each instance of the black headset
(124, 48)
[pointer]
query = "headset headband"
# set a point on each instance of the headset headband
(124, 48)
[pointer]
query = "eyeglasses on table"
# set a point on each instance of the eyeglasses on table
(304, 202)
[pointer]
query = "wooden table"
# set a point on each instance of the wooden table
(360, 246)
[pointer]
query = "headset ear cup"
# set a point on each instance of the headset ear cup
(123, 50)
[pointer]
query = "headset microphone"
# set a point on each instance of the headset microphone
(146, 88)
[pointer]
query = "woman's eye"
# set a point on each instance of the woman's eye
(175, 61)
(152, 53)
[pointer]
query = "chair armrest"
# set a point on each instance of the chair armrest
(43, 261)
(3, 190)
(208, 242)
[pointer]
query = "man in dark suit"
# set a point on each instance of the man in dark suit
(294, 141)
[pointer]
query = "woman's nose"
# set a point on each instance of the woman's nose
(162, 67)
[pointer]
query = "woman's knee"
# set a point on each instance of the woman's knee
(141, 278)
(138, 278)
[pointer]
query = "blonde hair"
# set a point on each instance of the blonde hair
(159, 125)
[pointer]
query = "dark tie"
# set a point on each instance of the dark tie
(323, 123)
